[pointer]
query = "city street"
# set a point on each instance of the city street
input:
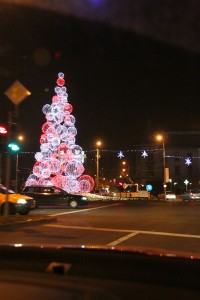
(171, 226)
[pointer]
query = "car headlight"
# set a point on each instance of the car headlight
(21, 201)
(84, 198)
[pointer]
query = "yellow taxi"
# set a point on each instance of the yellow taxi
(17, 203)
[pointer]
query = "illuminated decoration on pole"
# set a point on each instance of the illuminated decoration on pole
(120, 154)
(144, 154)
(59, 161)
(188, 161)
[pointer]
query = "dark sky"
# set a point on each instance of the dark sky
(123, 86)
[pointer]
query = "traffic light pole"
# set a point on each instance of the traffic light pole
(0, 166)
(8, 165)
(3, 134)
(16, 174)
(7, 183)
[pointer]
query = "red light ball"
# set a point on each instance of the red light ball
(60, 81)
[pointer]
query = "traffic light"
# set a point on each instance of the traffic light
(3, 137)
(3, 130)
(13, 147)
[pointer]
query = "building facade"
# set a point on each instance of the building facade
(181, 164)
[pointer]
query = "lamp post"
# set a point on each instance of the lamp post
(98, 144)
(3, 133)
(175, 183)
(20, 138)
(160, 138)
(170, 180)
(125, 169)
(16, 173)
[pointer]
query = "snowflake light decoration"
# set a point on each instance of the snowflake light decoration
(188, 161)
(120, 154)
(144, 154)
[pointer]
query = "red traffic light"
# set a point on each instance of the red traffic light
(3, 130)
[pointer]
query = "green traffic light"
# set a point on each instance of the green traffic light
(13, 147)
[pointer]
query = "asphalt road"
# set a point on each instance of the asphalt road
(171, 226)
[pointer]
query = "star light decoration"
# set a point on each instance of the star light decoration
(120, 154)
(144, 154)
(188, 161)
(59, 162)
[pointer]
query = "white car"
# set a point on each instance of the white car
(168, 195)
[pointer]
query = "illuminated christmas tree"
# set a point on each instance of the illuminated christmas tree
(60, 161)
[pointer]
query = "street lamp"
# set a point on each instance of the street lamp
(125, 169)
(160, 138)
(170, 180)
(186, 184)
(98, 144)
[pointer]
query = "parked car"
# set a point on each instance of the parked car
(54, 196)
(168, 195)
(17, 203)
(191, 195)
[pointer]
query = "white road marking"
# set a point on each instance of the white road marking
(122, 239)
(87, 228)
(83, 210)
(114, 243)
(131, 232)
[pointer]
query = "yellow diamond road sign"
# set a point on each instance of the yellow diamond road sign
(17, 92)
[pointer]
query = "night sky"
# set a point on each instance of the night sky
(123, 86)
